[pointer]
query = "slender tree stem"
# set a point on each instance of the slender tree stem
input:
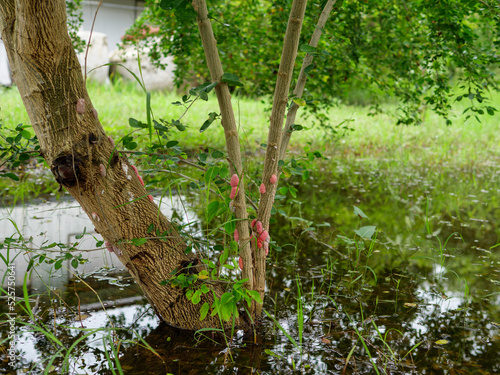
(288, 56)
(301, 82)
(230, 132)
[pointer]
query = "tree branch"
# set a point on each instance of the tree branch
(230, 132)
(288, 56)
(301, 82)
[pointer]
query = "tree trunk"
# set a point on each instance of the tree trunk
(84, 160)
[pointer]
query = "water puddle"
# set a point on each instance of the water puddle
(422, 297)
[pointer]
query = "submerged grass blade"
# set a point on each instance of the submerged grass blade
(283, 330)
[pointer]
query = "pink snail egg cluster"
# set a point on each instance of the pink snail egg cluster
(262, 188)
(102, 170)
(236, 235)
(137, 174)
(234, 180)
(111, 141)
(273, 179)
(234, 186)
(80, 106)
(258, 227)
(108, 246)
(234, 190)
(150, 197)
(240, 262)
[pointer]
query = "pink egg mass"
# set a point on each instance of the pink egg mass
(234, 190)
(234, 180)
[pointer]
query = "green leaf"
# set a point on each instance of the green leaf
(217, 154)
(358, 212)
(255, 295)
(211, 173)
(170, 4)
(130, 145)
(196, 297)
(231, 79)
(204, 310)
(178, 125)
(224, 172)
(74, 263)
(299, 101)
(212, 210)
(230, 226)
(12, 176)
(307, 48)
(26, 134)
(308, 69)
(139, 241)
(211, 117)
(58, 264)
(136, 124)
(366, 232)
(172, 144)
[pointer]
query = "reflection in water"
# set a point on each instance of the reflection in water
(53, 227)
(425, 301)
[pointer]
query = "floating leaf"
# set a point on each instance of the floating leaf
(410, 304)
(441, 342)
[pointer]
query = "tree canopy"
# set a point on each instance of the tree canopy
(416, 52)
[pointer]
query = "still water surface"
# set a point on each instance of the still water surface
(424, 299)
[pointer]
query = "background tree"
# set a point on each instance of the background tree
(415, 52)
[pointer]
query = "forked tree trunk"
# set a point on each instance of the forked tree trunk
(83, 159)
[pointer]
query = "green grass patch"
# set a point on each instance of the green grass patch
(464, 144)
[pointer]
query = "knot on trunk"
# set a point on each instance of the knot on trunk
(67, 169)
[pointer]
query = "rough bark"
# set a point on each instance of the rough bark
(83, 159)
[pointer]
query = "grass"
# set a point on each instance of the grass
(372, 143)
(466, 143)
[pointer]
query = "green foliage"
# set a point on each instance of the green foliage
(16, 149)
(412, 51)
(75, 21)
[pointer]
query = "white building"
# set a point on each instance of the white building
(110, 20)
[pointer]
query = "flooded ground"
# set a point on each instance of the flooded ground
(422, 298)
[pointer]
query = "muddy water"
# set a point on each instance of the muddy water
(423, 298)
